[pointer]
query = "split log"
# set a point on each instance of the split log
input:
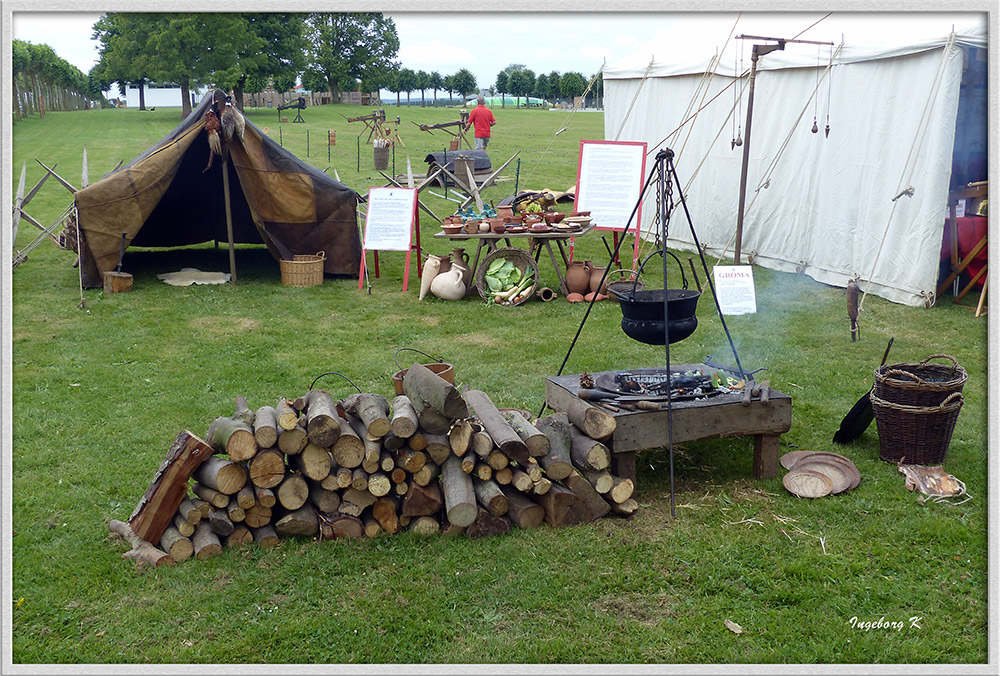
(410, 460)
(372, 527)
(235, 512)
(353, 501)
(521, 481)
(210, 495)
(403, 423)
(205, 541)
(346, 526)
(503, 435)
(563, 507)
(265, 497)
(537, 442)
(185, 527)
(222, 475)
(459, 496)
(625, 508)
(425, 525)
(428, 418)
(177, 545)
(379, 484)
(386, 512)
(257, 516)
(437, 392)
(241, 535)
(391, 442)
(189, 511)
(490, 496)
(601, 481)
(348, 451)
(322, 420)
(245, 497)
(265, 537)
(482, 443)
(469, 462)
(503, 476)
(497, 460)
(372, 410)
(588, 454)
(324, 500)
(541, 487)
(242, 412)
(166, 492)
(525, 513)
(265, 427)
(557, 462)
(417, 441)
(398, 475)
(292, 441)
(287, 416)
(422, 500)
(344, 477)
(359, 480)
(438, 447)
(267, 468)
(591, 420)
(586, 491)
(142, 551)
(232, 436)
(426, 474)
(482, 471)
(219, 522)
(621, 489)
(293, 492)
(533, 470)
(487, 524)
(301, 522)
(314, 462)
(460, 437)
(386, 462)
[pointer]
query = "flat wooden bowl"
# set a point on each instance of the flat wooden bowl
(834, 457)
(806, 483)
(836, 472)
(789, 459)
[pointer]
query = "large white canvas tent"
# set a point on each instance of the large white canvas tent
(890, 86)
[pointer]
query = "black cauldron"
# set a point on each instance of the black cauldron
(642, 311)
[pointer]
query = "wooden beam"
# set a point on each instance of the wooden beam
(66, 184)
(229, 217)
(17, 203)
(85, 179)
(961, 266)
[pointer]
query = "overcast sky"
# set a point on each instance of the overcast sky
(485, 43)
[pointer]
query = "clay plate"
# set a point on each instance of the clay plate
(806, 483)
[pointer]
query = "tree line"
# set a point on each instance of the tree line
(42, 80)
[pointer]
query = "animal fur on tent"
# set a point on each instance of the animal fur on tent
(163, 198)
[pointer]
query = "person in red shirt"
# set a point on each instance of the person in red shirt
(482, 119)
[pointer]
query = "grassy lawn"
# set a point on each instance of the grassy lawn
(99, 395)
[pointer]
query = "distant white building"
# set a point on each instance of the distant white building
(166, 96)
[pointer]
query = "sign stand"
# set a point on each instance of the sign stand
(390, 221)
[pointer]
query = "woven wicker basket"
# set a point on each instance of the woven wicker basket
(303, 269)
(521, 259)
(920, 384)
(919, 435)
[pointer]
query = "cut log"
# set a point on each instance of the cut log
(490, 496)
(533, 470)
(346, 526)
(537, 442)
(437, 392)
(459, 496)
(210, 495)
(401, 488)
(345, 477)
(185, 527)
(235, 437)
(391, 442)
(242, 412)
(373, 411)
(403, 423)
(410, 460)
(189, 511)
(353, 501)
(621, 489)
(469, 462)
(142, 551)
(293, 492)
(591, 420)
(206, 543)
(267, 468)
(418, 440)
(314, 462)
(386, 512)
(348, 451)
(497, 459)
(428, 418)
(322, 499)
(541, 487)
(460, 437)
(625, 508)
(426, 474)
(265, 497)
(235, 512)
(563, 507)
(257, 516)
(241, 535)
(221, 474)
(438, 447)
(451, 529)
(373, 447)
(292, 441)
(372, 527)
(287, 416)
(219, 522)
(503, 435)
(166, 492)
(404, 521)
(601, 481)
(301, 522)
(557, 462)
(482, 443)
(398, 475)
(422, 500)
(245, 497)
(322, 421)
(425, 525)
(524, 512)
(588, 454)
(330, 483)
(203, 507)
(521, 481)
(386, 462)
(487, 524)
(504, 476)
(265, 537)
(482, 471)
(379, 484)
(368, 465)
(175, 544)
(265, 427)
(359, 480)
(586, 491)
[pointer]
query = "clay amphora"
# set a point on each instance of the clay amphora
(596, 272)
(578, 277)
(431, 268)
(461, 260)
(444, 262)
(448, 285)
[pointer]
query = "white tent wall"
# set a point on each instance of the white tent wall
(830, 199)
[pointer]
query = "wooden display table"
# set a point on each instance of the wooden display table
(722, 415)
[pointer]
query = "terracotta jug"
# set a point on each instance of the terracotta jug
(578, 276)
(596, 272)
(461, 260)
(444, 262)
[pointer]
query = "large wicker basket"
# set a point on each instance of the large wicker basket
(919, 435)
(521, 259)
(303, 269)
(920, 384)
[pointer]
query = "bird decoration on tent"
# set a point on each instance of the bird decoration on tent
(214, 142)
(852, 309)
(232, 121)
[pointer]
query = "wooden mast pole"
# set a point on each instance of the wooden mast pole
(229, 215)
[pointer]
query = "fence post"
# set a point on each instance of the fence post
(307, 143)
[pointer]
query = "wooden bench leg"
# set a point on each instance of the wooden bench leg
(765, 456)
(623, 465)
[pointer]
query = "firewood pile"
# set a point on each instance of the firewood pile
(433, 460)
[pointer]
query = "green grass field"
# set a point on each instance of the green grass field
(100, 393)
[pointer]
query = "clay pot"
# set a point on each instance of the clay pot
(461, 260)
(554, 217)
(578, 277)
(505, 211)
(498, 227)
(431, 268)
(596, 272)
(448, 285)
(444, 262)
(472, 226)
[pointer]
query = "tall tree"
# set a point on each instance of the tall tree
(275, 47)
(501, 85)
(344, 48)
(406, 80)
(554, 80)
(125, 56)
(542, 86)
(449, 85)
(436, 83)
(572, 85)
(423, 83)
(465, 82)
(521, 82)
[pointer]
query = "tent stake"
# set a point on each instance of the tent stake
(229, 217)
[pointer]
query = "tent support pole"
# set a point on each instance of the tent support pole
(229, 216)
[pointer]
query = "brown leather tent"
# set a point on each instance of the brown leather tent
(164, 199)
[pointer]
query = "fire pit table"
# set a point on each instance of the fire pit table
(765, 418)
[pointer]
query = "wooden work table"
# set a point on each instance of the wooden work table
(722, 415)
